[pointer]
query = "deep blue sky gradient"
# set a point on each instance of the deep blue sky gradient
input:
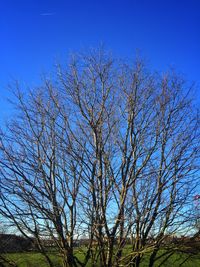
(36, 33)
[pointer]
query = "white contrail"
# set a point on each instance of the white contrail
(47, 14)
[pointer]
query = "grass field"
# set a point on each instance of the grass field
(33, 259)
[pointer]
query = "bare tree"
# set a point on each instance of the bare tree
(108, 151)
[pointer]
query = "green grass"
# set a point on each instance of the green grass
(175, 261)
(33, 259)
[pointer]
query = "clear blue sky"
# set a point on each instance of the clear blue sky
(35, 33)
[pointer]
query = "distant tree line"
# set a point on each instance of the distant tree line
(13, 243)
